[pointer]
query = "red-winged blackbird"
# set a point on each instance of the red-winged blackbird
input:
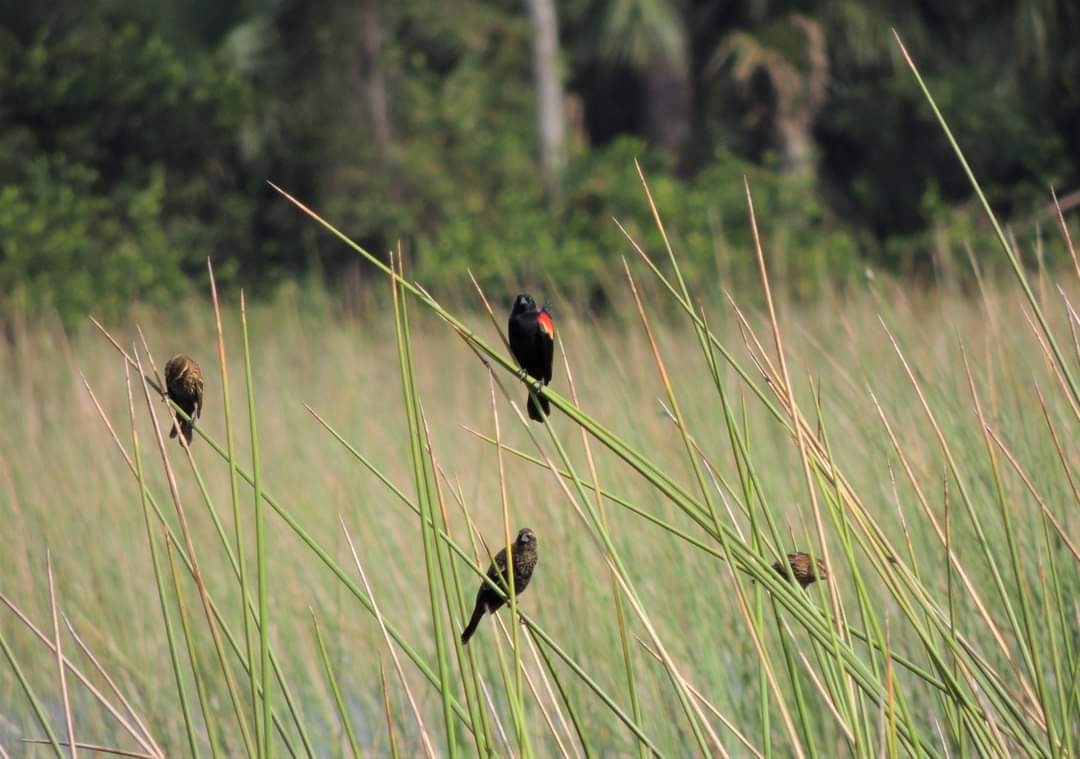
(532, 341)
(803, 568)
(524, 556)
(184, 384)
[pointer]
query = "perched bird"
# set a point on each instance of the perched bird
(532, 341)
(524, 557)
(803, 568)
(184, 384)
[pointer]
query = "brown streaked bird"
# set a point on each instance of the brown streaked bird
(803, 568)
(184, 384)
(487, 600)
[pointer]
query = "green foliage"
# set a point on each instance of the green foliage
(68, 248)
(136, 138)
(118, 161)
(518, 233)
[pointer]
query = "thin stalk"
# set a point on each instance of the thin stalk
(804, 456)
(193, 657)
(542, 670)
(238, 561)
(840, 518)
(508, 542)
(1010, 253)
(616, 594)
(166, 616)
(251, 615)
(92, 747)
(973, 516)
(174, 492)
(50, 646)
(391, 737)
(263, 726)
(536, 694)
(1010, 539)
(28, 691)
(429, 750)
(478, 569)
(217, 615)
(693, 714)
(495, 718)
(481, 557)
(112, 685)
(890, 709)
(343, 711)
(252, 610)
(70, 724)
(717, 553)
(950, 594)
(864, 518)
(1065, 233)
(731, 726)
(1055, 656)
(565, 696)
(604, 540)
(1047, 515)
(455, 597)
(680, 423)
(429, 545)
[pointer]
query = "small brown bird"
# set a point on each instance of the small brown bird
(184, 384)
(803, 568)
(524, 556)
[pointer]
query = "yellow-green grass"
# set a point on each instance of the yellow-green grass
(64, 486)
(920, 443)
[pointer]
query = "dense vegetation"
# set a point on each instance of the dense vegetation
(919, 441)
(938, 486)
(135, 137)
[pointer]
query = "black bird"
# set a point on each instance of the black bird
(532, 341)
(524, 557)
(184, 384)
(803, 568)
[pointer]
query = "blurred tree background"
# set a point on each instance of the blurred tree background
(499, 136)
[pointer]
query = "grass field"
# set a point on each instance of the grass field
(65, 488)
(303, 594)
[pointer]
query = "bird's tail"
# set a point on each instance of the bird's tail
(538, 414)
(477, 615)
(186, 428)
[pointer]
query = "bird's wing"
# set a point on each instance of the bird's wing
(547, 340)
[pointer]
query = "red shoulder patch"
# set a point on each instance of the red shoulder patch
(546, 324)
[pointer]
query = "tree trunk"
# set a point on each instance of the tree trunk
(549, 93)
(668, 104)
(801, 100)
(374, 80)
(796, 144)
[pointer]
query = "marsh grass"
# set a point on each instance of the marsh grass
(920, 442)
(80, 500)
